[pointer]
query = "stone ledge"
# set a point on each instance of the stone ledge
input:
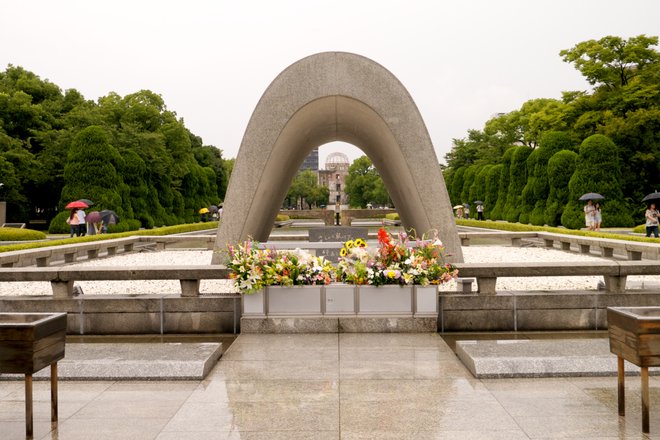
(340, 324)
(541, 358)
(134, 361)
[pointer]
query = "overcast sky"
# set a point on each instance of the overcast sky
(462, 61)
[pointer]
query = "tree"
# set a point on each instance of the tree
(492, 189)
(612, 61)
(517, 180)
(364, 185)
(91, 171)
(305, 189)
(499, 212)
(551, 142)
(597, 170)
(560, 169)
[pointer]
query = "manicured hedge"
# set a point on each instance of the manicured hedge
(15, 234)
(167, 230)
(518, 227)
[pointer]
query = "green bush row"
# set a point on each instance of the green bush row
(166, 230)
(15, 234)
(518, 227)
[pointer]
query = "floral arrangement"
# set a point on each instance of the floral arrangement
(253, 268)
(394, 261)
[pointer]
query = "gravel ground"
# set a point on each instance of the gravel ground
(472, 254)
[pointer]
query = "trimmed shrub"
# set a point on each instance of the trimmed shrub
(146, 221)
(478, 188)
(597, 170)
(561, 167)
(58, 224)
(505, 176)
(393, 216)
(457, 186)
(15, 234)
(133, 225)
(178, 229)
(517, 227)
(282, 218)
(90, 171)
(468, 179)
(551, 143)
(517, 180)
(122, 226)
(528, 199)
(492, 187)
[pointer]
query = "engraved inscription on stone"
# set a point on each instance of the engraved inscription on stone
(337, 233)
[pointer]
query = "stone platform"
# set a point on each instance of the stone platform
(541, 358)
(135, 361)
(339, 324)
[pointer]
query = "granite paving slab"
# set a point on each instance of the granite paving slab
(541, 358)
(131, 361)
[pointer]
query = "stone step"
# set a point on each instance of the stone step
(541, 358)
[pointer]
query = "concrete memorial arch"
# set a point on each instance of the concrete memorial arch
(335, 96)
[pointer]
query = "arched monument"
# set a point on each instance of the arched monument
(335, 96)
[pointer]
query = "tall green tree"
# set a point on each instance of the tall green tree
(91, 171)
(499, 212)
(517, 180)
(561, 167)
(597, 170)
(612, 61)
(364, 185)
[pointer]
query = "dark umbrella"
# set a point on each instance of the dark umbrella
(87, 201)
(655, 195)
(109, 217)
(478, 202)
(93, 217)
(77, 204)
(467, 205)
(590, 196)
(213, 208)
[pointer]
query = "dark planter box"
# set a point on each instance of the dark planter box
(31, 341)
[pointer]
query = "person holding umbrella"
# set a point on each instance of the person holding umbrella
(589, 215)
(651, 215)
(74, 222)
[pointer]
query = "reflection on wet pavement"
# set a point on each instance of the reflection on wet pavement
(346, 386)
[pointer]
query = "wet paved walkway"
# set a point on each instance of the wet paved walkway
(346, 386)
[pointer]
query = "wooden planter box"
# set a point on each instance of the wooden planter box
(635, 336)
(30, 342)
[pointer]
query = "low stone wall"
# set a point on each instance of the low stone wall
(148, 314)
(528, 311)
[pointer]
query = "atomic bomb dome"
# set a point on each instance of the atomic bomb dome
(337, 161)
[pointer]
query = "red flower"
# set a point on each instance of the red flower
(383, 236)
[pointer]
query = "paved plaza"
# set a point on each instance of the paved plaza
(335, 386)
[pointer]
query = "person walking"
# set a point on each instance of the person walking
(589, 215)
(82, 223)
(466, 212)
(459, 212)
(651, 215)
(480, 212)
(598, 217)
(73, 222)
